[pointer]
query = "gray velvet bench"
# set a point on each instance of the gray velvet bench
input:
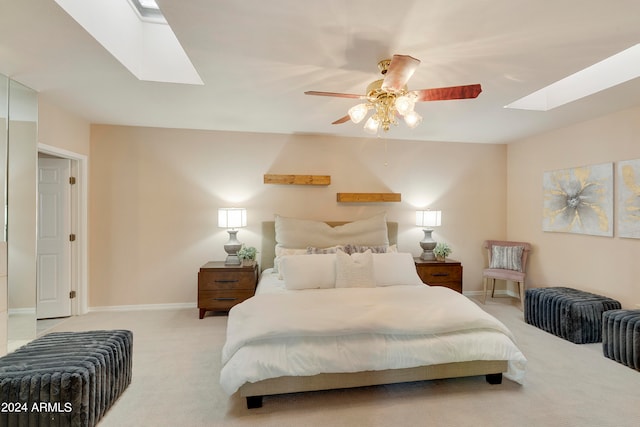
(65, 378)
(568, 313)
(621, 337)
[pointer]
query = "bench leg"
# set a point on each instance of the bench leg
(254, 402)
(494, 378)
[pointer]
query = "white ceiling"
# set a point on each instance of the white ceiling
(257, 57)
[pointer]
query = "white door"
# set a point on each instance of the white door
(54, 246)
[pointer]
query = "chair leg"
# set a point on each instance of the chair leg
(493, 286)
(521, 290)
(484, 294)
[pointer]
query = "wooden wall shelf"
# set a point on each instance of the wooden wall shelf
(368, 197)
(297, 179)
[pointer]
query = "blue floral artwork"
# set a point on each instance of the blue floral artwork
(629, 198)
(579, 200)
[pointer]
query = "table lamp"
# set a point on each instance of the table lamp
(428, 219)
(232, 219)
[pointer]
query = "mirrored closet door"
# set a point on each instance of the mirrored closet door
(18, 169)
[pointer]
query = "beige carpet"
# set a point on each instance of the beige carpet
(177, 363)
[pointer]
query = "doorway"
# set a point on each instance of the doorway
(55, 238)
(62, 233)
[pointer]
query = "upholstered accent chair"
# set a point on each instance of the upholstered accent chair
(507, 261)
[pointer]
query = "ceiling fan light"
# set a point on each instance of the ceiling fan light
(371, 125)
(412, 119)
(358, 112)
(404, 104)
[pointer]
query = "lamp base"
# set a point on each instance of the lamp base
(231, 248)
(427, 244)
(232, 260)
(427, 256)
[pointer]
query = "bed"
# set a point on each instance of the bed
(349, 310)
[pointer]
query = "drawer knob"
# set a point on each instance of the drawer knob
(440, 274)
(226, 281)
(226, 299)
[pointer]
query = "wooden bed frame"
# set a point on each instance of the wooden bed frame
(254, 392)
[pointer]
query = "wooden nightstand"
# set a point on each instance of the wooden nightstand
(220, 286)
(440, 273)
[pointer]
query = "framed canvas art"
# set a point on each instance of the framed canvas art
(628, 211)
(579, 200)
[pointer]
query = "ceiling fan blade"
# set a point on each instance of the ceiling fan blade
(399, 72)
(342, 120)
(339, 95)
(444, 93)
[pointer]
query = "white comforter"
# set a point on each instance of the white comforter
(355, 329)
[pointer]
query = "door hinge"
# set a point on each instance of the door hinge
(72, 237)
(72, 180)
(72, 294)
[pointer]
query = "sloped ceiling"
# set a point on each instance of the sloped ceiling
(256, 59)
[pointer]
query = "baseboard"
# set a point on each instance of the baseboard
(498, 293)
(140, 307)
(19, 311)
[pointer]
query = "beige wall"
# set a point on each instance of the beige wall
(59, 128)
(598, 264)
(155, 194)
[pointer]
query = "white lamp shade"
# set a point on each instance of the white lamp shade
(404, 104)
(412, 119)
(428, 218)
(358, 112)
(371, 125)
(232, 217)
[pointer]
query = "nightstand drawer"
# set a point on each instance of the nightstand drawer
(443, 274)
(209, 281)
(222, 300)
(222, 286)
(440, 273)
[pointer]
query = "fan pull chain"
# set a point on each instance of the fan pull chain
(386, 151)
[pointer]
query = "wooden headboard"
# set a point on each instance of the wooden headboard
(268, 251)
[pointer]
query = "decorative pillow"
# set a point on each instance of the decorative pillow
(281, 252)
(331, 250)
(354, 272)
(301, 233)
(396, 268)
(354, 249)
(506, 257)
(309, 272)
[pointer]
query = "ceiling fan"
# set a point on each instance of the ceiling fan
(389, 96)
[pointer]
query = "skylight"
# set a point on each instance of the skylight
(615, 70)
(148, 10)
(148, 50)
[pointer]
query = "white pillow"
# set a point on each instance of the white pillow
(282, 252)
(397, 268)
(300, 233)
(309, 271)
(354, 271)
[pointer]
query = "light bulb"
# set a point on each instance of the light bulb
(358, 112)
(371, 126)
(412, 119)
(404, 104)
